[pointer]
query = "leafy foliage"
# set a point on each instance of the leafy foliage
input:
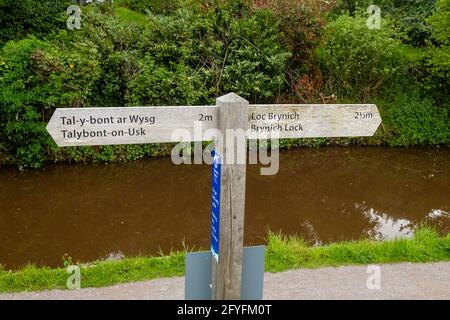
(417, 120)
(178, 52)
(440, 21)
(19, 18)
(301, 23)
(198, 55)
(437, 60)
(110, 62)
(437, 74)
(409, 16)
(154, 6)
(358, 60)
(36, 77)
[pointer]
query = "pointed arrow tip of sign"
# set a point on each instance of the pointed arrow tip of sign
(51, 128)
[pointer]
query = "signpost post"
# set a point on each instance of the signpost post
(231, 115)
(227, 269)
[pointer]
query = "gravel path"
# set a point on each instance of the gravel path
(398, 281)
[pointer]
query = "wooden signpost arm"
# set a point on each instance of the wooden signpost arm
(226, 274)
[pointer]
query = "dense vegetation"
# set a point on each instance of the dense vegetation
(160, 52)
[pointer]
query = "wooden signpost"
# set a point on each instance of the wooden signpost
(139, 125)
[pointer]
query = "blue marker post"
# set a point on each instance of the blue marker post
(215, 205)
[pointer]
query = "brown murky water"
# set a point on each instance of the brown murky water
(107, 211)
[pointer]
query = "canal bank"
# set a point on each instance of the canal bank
(283, 253)
(398, 281)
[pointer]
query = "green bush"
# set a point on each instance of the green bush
(301, 24)
(388, 6)
(415, 120)
(20, 131)
(412, 22)
(160, 85)
(440, 22)
(436, 80)
(187, 58)
(154, 6)
(409, 16)
(19, 18)
(358, 60)
(115, 43)
(191, 51)
(201, 54)
(252, 58)
(436, 63)
(35, 78)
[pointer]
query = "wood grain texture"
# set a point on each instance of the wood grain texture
(316, 121)
(288, 121)
(226, 272)
(166, 121)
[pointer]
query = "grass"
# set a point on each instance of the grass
(282, 253)
(285, 253)
(130, 16)
(98, 274)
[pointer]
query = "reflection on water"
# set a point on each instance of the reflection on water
(438, 213)
(384, 227)
(114, 256)
(144, 207)
(311, 234)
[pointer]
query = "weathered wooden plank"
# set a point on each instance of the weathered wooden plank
(135, 125)
(226, 272)
(315, 121)
(127, 125)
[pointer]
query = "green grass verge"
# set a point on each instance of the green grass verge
(283, 253)
(289, 252)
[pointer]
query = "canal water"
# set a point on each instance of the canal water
(91, 212)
